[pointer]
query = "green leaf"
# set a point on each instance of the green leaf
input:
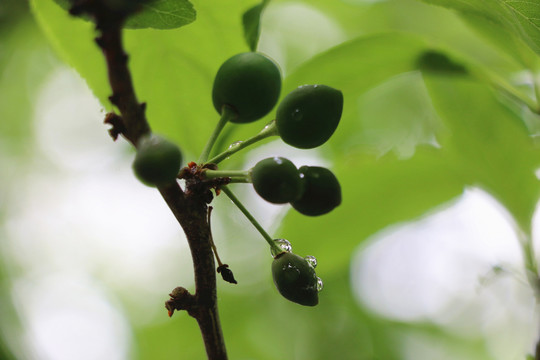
(519, 18)
(155, 14)
(163, 14)
(172, 70)
(487, 143)
(252, 24)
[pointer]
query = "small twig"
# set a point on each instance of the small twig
(222, 269)
(181, 299)
(117, 124)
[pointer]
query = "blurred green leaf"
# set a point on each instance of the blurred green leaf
(24, 66)
(488, 143)
(156, 14)
(163, 14)
(519, 18)
(262, 325)
(252, 24)
(172, 71)
(165, 336)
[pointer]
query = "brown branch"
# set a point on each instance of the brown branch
(190, 207)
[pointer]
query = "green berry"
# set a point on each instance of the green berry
(250, 83)
(295, 279)
(277, 180)
(157, 161)
(309, 115)
(322, 192)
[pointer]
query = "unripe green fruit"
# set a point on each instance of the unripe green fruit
(322, 192)
(249, 83)
(277, 180)
(157, 161)
(295, 279)
(309, 115)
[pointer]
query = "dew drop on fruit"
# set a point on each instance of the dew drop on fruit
(320, 284)
(297, 115)
(283, 244)
(311, 260)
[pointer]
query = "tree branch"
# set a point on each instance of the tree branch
(190, 207)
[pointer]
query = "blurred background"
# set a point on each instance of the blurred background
(88, 254)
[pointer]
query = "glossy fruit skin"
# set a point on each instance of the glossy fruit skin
(250, 83)
(157, 161)
(277, 180)
(295, 279)
(308, 116)
(322, 192)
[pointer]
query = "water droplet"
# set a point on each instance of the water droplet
(235, 144)
(297, 115)
(283, 244)
(311, 260)
(269, 125)
(320, 284)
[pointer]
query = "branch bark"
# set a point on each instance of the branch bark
(190, 208)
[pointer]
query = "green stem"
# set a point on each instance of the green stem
(531, 265)
(227, 114)
(214, 174)
(235, 179)
(251, 219)
(536, 85)
(503, 85)
(269, 130)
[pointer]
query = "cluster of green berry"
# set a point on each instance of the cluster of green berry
(246, 88)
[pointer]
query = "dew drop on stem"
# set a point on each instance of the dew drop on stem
(235, 144)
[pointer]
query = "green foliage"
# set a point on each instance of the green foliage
(519, 18)
(156, 14)
(252, 24)
(409, 142)
(175, 98)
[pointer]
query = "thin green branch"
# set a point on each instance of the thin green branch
(267, 131)
(536, 85)
(242, 180)
(531, 264)
(504, 86)
(226, 115)
(214, 174)
(251, 219)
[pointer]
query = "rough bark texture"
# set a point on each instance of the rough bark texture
(190, 207)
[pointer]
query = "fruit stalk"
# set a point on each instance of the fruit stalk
(251, 219)
(269, 130)
(236, 174)
(227, 114)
